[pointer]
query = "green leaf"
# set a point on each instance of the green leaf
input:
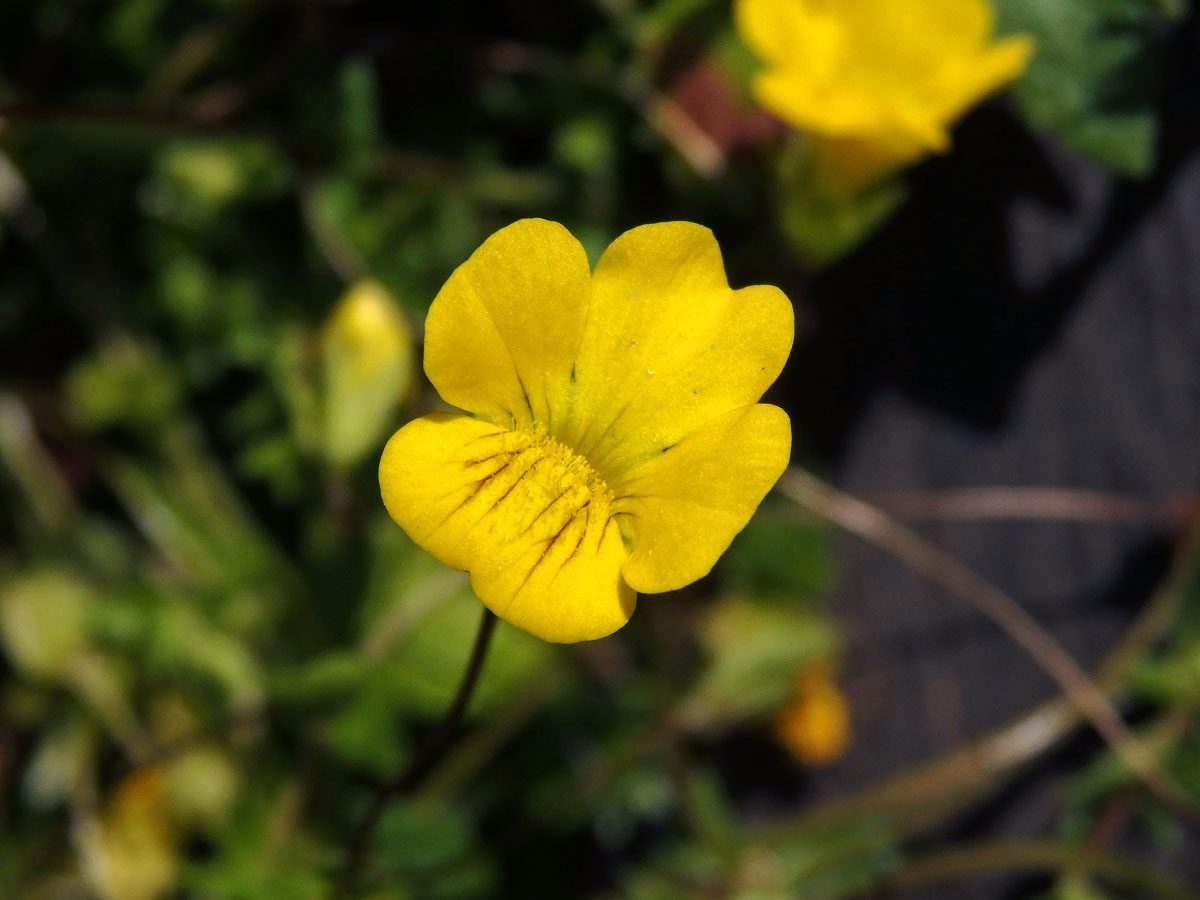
(364, 732)
(124, 383)
(1094, 77)
(263, 853)
(779, 557)
(44, 621)
(359, 109)
(839, 861)
(414, 837)
(755, 651)
(1077, 887)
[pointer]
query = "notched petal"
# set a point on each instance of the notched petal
(502, 333)
(681, 509)
(669, 345)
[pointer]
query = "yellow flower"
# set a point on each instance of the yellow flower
(615, 443)
(815, 726)
(876, 83)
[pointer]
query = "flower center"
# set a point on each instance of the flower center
(555, 466)
(544, 490)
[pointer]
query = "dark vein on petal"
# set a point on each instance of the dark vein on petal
(511, 488)
(582, 535)
(524, 581)
(481, 460)
(547, 509)
(476, 487)
(487, 437)
(607, 428)
(554, 540)
(537, 562)
(524, 392)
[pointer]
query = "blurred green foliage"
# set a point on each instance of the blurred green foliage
(215, 645)
(1095, 79)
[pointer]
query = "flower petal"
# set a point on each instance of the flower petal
(525, 516)
(680, 510)
(990, 69)
(503, 332)
(785, 32)
(668, 346)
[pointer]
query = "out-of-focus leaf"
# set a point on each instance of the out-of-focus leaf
(44, 621)
(415, 837)
(188, 510)
(779, 557)
(133, 29)
(754, 651)
(431, 848)
(294, 367)
(1095, 75)
(326, 676)
(124, 383)
(585, 145)
(182, 639)
(1173, 677)
(264, 852)
(364, 731)
(195, 181)
(24, 457)
(1077, 887)
(62, 763)
(359, 109)
(201, 785)
(836, 862)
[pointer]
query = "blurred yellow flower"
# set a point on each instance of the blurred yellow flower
(876, 83)
(815, 726)
(130, 850)
(615, 443)
(367, 366)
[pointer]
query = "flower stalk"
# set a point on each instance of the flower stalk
(422, 762)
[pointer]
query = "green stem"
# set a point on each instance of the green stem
(421, 763)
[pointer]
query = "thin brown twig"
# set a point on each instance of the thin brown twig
(943, 569)
(421, 763)
(1041, 503)
(1030, 856)
(918, 797)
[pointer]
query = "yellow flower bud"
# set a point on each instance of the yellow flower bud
(130, 851)
(367, 369)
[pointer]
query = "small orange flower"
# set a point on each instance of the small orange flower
(815, 726)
